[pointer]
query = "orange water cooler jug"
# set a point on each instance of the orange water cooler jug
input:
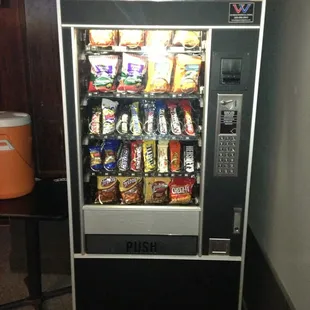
(16, 163)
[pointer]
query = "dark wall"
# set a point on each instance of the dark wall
(30, 77)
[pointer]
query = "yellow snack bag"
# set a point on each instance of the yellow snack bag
(158, 38)
(159, 74)
(188, 39)
(186, 74)
(156, 190)
(149, 155)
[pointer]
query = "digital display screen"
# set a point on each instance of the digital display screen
(228, 122)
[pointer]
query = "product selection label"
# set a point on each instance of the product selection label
(241, 13)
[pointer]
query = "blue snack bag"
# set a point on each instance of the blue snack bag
(110, 154)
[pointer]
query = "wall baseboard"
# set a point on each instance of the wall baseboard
(262, 289)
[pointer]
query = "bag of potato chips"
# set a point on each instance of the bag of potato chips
(159, 74)
(186, 75)
(156, 190)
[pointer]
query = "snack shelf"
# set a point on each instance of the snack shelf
(142, 137)
(96, 50)
(144, 95)
(145, 174)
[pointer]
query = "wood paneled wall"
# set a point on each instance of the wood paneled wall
(30, 77)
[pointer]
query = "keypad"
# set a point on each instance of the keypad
(226, 161)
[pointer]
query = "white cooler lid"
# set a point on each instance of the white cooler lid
(14, 119)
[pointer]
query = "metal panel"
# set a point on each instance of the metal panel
(155, 221)
(223, 194)
(156, 284)
(141, 244)
(71, 145)
(150, 13)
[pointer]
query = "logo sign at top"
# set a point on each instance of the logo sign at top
(241, 13)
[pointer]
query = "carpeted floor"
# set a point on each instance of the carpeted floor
(12, 285)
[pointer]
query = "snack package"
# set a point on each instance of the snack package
(122, 125)
(188, 39)
(188, 120)
(131, 38)
(162, 123)
(156, 190)
(133, 71)
(102, 38)
(180, 190)
(175, 156)
(109, 108)
(110, 154)
(162, 156)
(94, 125)
(175, 124)
(136, 163)
(103, 73)
(95, 158)
(189, 157)
(123, 162)
(149, 117)
(135, 123)
(158, 38)
(159, 74)
(149, 155)
(131, 190)
(107, 190)
(186, 74)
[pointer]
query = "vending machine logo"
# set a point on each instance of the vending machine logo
(241, 8)
(241, 13)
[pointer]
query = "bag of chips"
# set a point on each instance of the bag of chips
(102, 38)
(110, 154)
(131, 38)
(186, 75)
(180, 190)
(158, 38)
(156, 190)
(133, 71)
(95, 158)
(107, 190)
(131, 190)
(188, 39)
(159, 74)
(103, 73)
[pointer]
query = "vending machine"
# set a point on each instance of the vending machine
(159, 101)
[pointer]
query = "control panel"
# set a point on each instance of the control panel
(227, 140)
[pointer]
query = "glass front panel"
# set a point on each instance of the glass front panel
(141, 115)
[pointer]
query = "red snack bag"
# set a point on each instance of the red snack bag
(188, 121)
(136, 156)
(180, 190)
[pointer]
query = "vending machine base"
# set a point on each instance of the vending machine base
(156, 284)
